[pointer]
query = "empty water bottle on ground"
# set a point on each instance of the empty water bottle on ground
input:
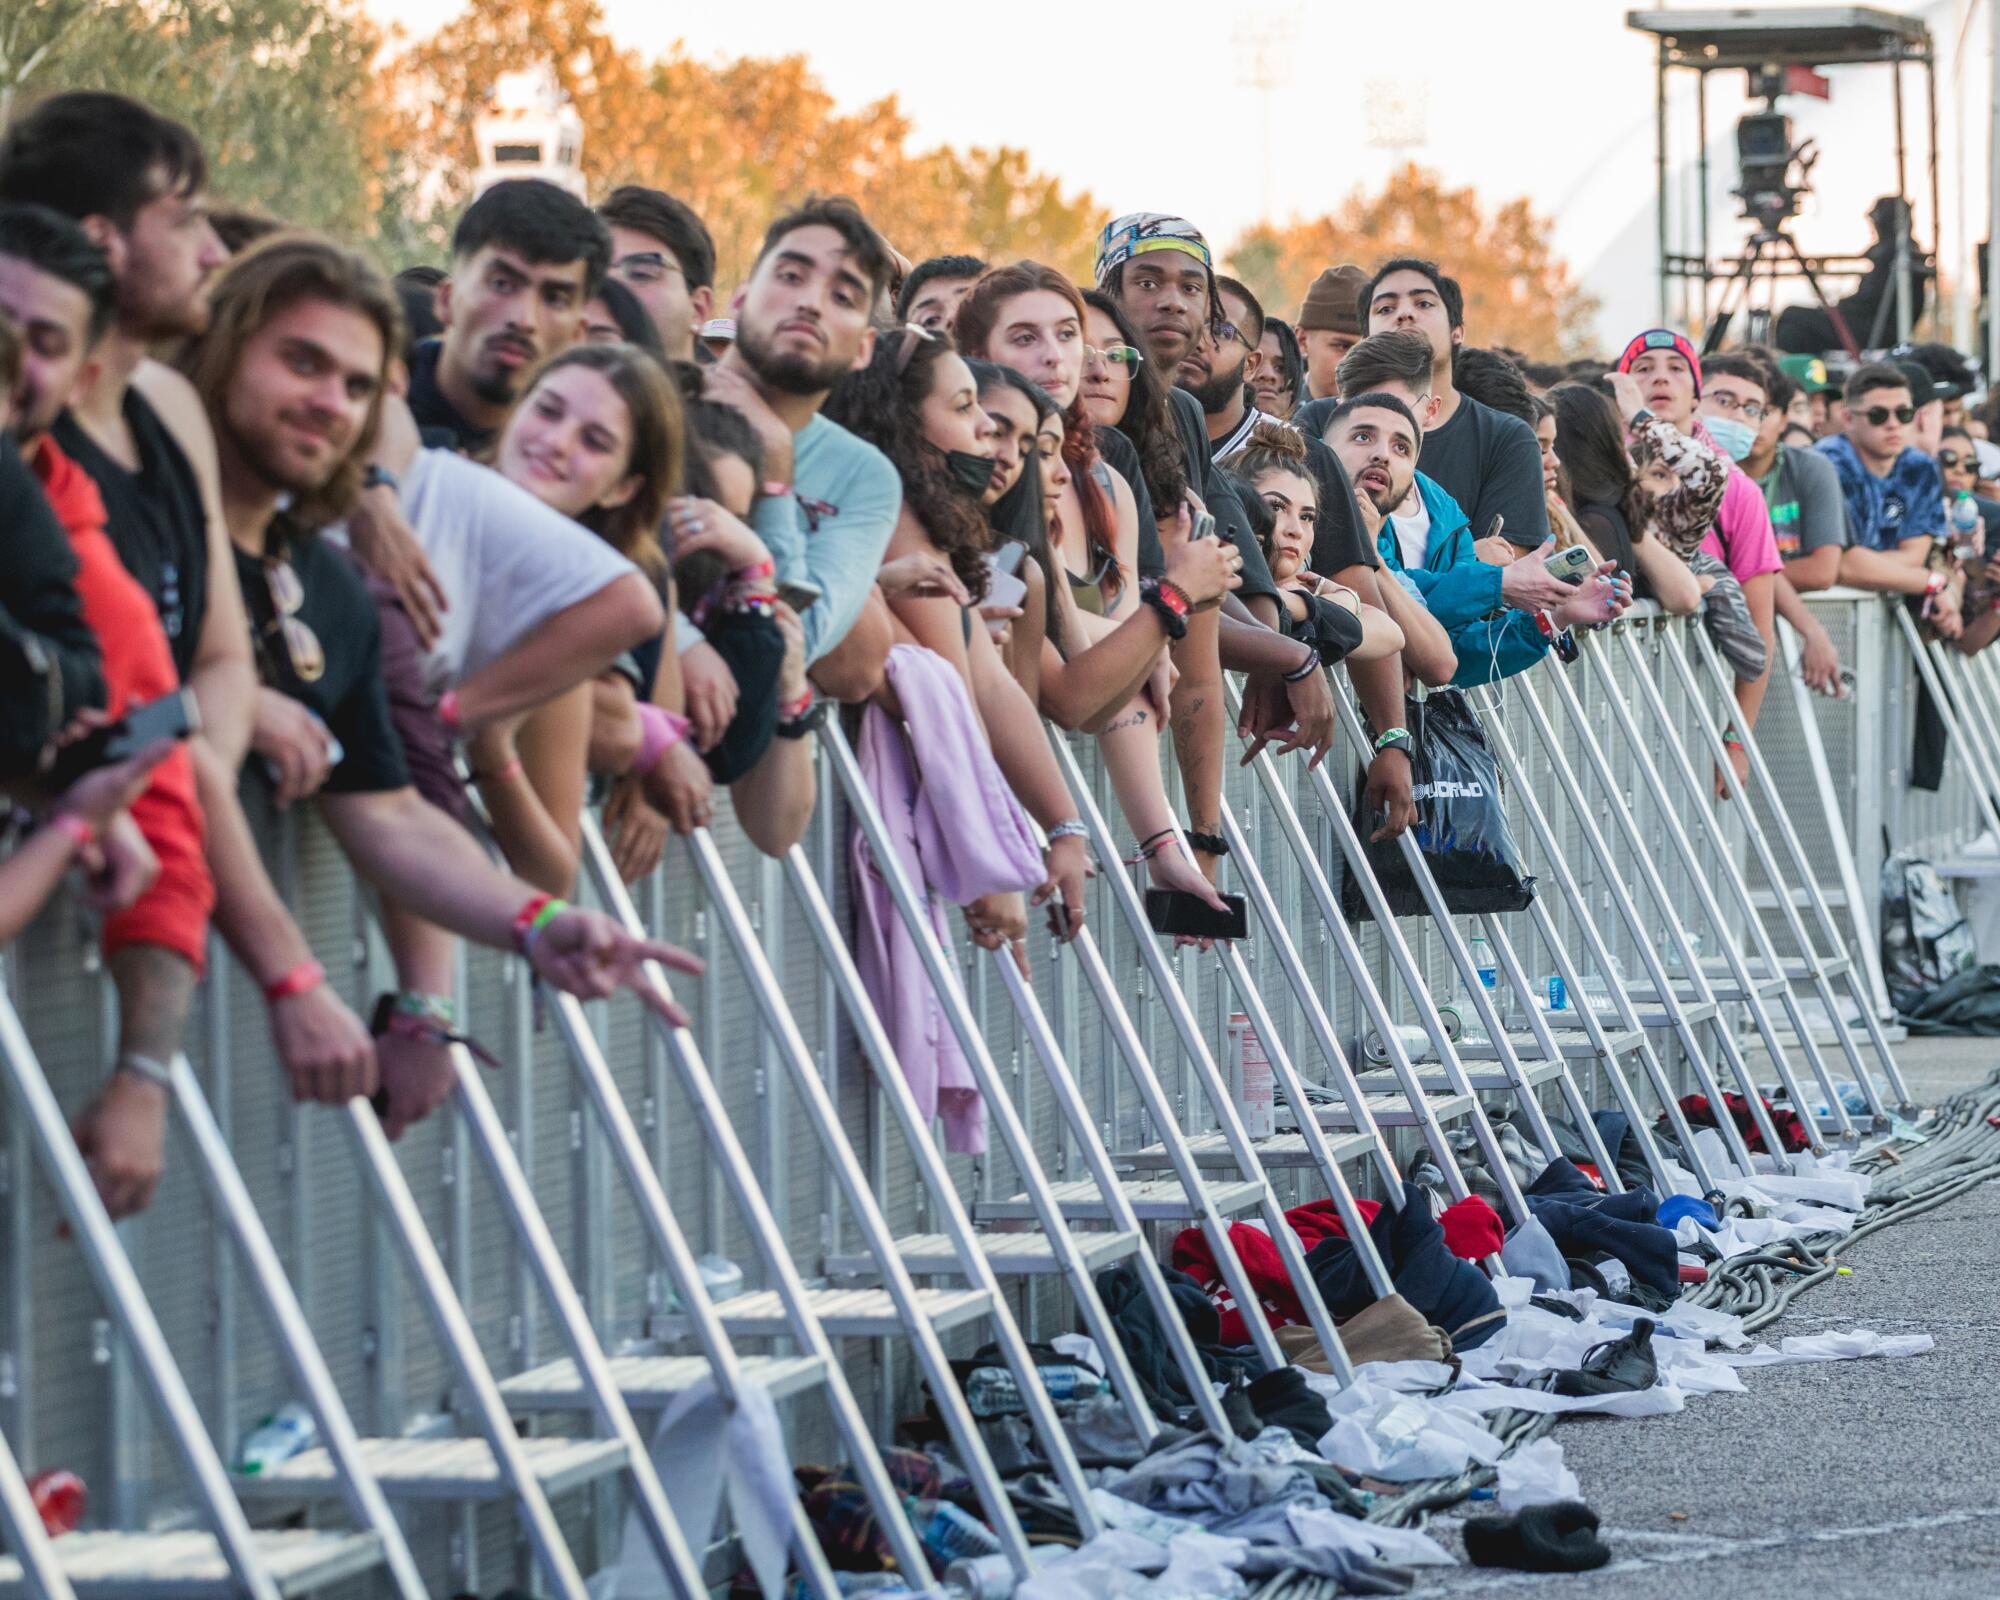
(992, 1391)
(951, 1534)
(283, 1434)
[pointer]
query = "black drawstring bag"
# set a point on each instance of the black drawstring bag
(1461, 826)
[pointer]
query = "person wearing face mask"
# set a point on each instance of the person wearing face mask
(915, 400)
(1803, 497)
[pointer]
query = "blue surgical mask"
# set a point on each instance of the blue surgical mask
(1733, 438)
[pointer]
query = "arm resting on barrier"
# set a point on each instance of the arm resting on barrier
(578, 642)
(1674, 586)
(1820, 666)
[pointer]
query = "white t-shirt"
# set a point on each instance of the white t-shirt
(1412, 522)
(507, 562)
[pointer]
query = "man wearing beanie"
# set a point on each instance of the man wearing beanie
(1329, 326)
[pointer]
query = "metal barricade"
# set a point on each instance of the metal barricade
(1692, 937)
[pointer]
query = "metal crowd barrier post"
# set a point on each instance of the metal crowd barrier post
(244, 1554)
(1427, 1107)
(21, 1531)
(1682, 1013)
(1818, 965)
(790, 1310)
(1767, 978)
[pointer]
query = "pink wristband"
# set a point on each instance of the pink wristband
(659, 731)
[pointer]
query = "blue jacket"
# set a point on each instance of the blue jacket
(1463, 593)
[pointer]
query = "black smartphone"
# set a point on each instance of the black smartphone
(1176, 911)
(172, 716)
(799, 594)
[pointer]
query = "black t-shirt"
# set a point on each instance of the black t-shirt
(349, 696)
(1206, 478)
(1340, 538)
(50, 667)
(443, 427)
(1491, 464)
(155, 519)
(1607, 528)
(1122, 456)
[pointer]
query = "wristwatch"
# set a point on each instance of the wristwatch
(374, 477)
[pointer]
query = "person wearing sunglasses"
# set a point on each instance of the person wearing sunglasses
(1894, 495)
(292, 371)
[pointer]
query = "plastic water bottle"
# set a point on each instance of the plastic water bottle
(283, 1434)
(1555, 992)
(1488, 968)
(992, 1391)
(1966, 527)
(951, 1534)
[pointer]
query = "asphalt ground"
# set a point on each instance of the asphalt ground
(1850, 1480)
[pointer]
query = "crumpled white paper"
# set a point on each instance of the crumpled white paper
(1535, 1475)
(1854, 1344)
(1403, 1437)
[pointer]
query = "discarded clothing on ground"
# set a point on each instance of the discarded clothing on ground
(1585, 1222)
(1452, 1293)
(1791, 1131)
(1389, 1330)
(1549, 1538)
(1146, 1348)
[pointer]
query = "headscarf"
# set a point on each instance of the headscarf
(1139, 232)
(1683, 516)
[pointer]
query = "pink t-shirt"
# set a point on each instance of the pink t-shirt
(1745, 542)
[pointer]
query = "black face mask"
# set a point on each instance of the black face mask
(973, 473)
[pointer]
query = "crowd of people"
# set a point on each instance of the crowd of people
(539, 528)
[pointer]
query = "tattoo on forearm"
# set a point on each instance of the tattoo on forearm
(1136, 720)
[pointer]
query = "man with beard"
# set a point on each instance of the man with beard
(291, 372)
(56, 289)
(1378, 440)
(525, 259)
(1158, 267)
(135, 183)
(804, 321)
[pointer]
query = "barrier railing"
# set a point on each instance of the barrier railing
(1700, 941)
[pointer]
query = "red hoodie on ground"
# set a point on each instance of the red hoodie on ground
(138, 667)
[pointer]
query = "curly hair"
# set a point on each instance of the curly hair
(881, 403)
(1149, 420)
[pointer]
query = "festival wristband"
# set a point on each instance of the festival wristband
(307, 975)
(1390, 738)
(1305, 668)
(533, 917)
(659, 731)
(447, 710)
(756, 572)
(80, 832)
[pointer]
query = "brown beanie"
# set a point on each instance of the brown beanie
(1334, 301)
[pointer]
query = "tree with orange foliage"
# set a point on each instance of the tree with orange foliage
(737, 141)
(1518, 292)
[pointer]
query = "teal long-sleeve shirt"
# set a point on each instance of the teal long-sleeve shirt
(1463, 594)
